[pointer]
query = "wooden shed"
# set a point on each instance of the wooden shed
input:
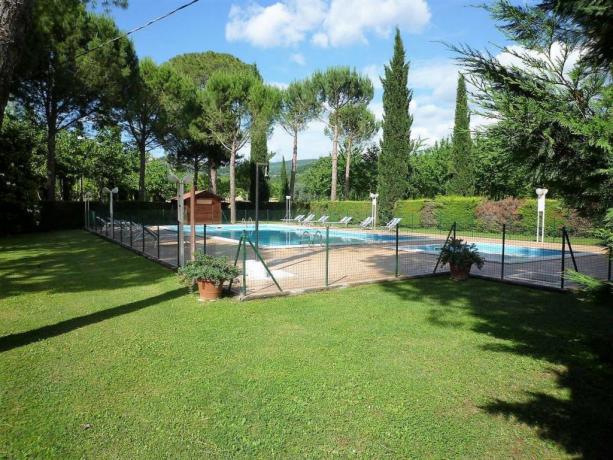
(208, 207)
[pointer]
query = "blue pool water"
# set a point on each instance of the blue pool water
(285, 235)
(496, 249)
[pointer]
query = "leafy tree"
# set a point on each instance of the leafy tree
(156, 180)
(588, 21)
(430, 170)
(336, 88)
(189, 141)
(150, 109)
(396, 144)
(284, 189)
(357, 126)
(299, 106)
(497, 173)
(363, 164)
(15, 20)
(62, 87)
(554, 118)
(265, 106)
(21, 143)
(462, 180)
(233, 101)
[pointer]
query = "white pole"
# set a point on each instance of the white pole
(543, 226)
(180, 220)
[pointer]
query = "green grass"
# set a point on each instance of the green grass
(93, 334)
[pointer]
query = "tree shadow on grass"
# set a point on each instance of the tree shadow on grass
(547, 326)
(70, 262)
(8, 342)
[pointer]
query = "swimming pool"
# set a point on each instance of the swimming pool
(493, 252)
(278, 236)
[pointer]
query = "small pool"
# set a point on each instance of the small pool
(493, 251)
(278, 236)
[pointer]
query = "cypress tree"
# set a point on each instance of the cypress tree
(462, 180)
(393, 176)
(259, 154)
(284, 189)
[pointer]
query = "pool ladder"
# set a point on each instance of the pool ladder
(312, 239)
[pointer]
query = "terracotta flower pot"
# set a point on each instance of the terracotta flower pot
(208, 290)
(459, 272)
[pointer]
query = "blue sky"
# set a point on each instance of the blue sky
(289, 39)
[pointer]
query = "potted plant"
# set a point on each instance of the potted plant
(209, 273)
(460, 256)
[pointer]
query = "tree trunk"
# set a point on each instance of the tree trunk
(213, 176)
(334, 164)
(233, 184)
(347, 167)
(142, 154)
(292, 177)
(15, 16)
(51, 132)
(196, 169)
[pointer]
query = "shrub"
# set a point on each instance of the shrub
(491, 215)
(554, 218)
(207, 268)
(459, 209)
(409, 211)
(427, 215)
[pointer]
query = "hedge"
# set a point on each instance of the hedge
(470, 213)
(359, 210)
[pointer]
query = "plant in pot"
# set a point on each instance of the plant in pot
(209, 273)
(461, 256)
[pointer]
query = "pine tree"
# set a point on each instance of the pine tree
(284, 189)
(396, 142)
(462, 172)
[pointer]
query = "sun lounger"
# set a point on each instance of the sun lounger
(344, 221)
(392, 223)
(366, 222)
(308, 219)
(296, 219)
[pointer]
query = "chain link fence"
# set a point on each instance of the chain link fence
(287, 256)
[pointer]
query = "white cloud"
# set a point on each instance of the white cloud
(320, 39)
(348, 21)
(298, 58)
(278, 84)
(284, 23)
(440, 78)
(328, 22)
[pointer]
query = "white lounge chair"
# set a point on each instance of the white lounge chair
(308, 219)
(323, 219)
(366, 222)
(296, 219)
(392, 223)
(344, 221)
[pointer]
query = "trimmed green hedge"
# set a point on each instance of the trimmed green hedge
(410, 211)
(443, 211)
(359, 210)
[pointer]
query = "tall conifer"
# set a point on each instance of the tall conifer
(462, 171)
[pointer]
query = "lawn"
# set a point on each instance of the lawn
(102, 355)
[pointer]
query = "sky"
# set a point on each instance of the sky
(290, 39)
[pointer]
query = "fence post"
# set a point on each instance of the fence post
(327, 252)
(143, 232)
(158, 242)
(178, 243)
(396, 250)
(610, 260)
(204, 238)
(563, 259)
(94, 221)
(244, 283)
(121, 233)
(131, 237)
(504, 238)
(455, 224)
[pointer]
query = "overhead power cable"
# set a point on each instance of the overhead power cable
(130, 32)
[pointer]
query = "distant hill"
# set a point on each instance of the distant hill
(275, 167)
